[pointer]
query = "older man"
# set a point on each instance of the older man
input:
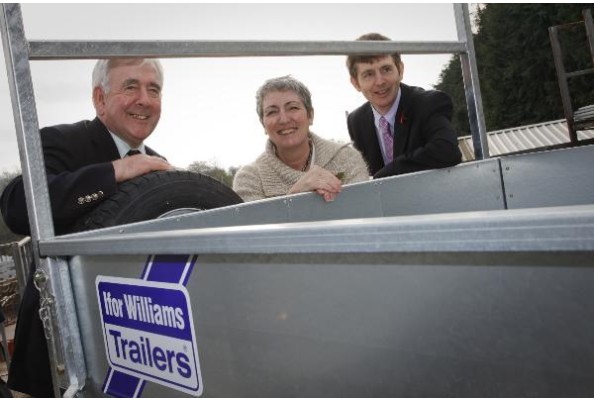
(84, 162)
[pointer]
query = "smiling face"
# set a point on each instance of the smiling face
(379, 81)
(285, 119)
(132, 107)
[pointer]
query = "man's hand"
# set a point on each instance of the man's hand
(319, 180)
(139, 164)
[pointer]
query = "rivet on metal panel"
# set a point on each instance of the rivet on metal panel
(511, 195)
(121, 231)
(507, 168)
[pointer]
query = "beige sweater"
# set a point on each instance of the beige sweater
(270, 177)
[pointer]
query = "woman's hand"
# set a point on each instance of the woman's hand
(318, 180)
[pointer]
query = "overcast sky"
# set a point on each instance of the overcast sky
(209, 103)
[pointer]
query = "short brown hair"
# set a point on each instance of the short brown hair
(353, 60)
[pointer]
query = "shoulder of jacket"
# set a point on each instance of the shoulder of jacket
(67, 129)
(361, 110)
(420, 93)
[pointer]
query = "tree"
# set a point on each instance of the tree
(6, 236)
(214, 171)
(516, 67)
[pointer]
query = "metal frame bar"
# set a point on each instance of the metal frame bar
(563, 75)
(472, 89)
(16, 54)
(562, 81)
(73, 50)
(587, 14)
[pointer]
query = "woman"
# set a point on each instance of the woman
(295, 160)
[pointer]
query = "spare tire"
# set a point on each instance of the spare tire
(156, 195)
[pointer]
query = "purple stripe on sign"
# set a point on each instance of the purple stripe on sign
(119, 384)
(167, 268)
(159, 268)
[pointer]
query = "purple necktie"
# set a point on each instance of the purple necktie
(387, 136)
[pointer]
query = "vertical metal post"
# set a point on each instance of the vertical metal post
(472, 88)
(587, 14)
(562, 81)
(16, 54)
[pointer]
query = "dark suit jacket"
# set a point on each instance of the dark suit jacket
(79, 174)
(78, 164)
(423, 135)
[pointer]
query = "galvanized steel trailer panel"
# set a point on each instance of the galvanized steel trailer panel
(550, 178)
(476, 304)
(493, 302)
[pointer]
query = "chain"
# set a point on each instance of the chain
(46, 302)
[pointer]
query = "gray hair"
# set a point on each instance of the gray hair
(283, 84)
(102, 68)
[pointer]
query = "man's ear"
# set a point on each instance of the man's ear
(401, 69)
(355, 83)
(99, 100)
(311, 117)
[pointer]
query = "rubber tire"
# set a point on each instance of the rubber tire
(152, 195)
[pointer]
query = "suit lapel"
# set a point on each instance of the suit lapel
(401, 124)
(103, 140)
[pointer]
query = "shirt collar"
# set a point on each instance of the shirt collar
(391, 114)
(123, 147)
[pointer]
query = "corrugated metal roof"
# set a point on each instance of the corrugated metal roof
(523, 138)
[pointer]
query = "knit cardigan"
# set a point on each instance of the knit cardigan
(270, 177)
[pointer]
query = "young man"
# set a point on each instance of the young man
(401, 128)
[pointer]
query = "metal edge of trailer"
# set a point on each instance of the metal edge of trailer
(569, 228)
(473, 186)
(18, 53)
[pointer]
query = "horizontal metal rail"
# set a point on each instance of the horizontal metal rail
(52, 50)
(537, 229)
(579, 73)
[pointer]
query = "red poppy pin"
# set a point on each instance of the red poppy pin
(403, 119)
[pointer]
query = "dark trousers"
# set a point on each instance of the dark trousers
(30, 367)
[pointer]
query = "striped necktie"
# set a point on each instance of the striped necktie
(387, 137)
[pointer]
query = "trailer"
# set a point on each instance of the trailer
(473, 281)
